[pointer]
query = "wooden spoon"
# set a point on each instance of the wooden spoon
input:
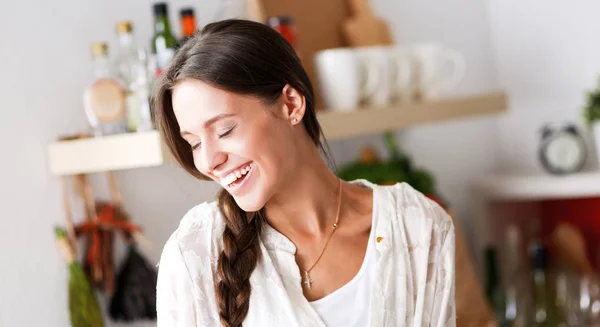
(570, 245)
(363, 28)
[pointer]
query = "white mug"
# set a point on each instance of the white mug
(380, 69)
(344, 78)
(430, 61)
(401, 68)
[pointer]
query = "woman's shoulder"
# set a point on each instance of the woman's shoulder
(412, 207)
(199, 231)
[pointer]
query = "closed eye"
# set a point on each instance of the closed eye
(227, 133)
(195, 146)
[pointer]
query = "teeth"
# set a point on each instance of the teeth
(229, 179)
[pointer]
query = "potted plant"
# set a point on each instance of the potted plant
(397, 168)
(592, 115)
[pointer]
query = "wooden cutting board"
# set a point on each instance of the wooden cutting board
(318, 27)
(363, 28)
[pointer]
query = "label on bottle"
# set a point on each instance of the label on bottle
(164, 57)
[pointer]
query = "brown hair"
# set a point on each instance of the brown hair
(247, 58)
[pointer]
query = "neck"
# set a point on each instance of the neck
(125, 41)
(306, 207)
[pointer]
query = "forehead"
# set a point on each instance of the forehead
(196, 102)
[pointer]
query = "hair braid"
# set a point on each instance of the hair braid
(238, 259)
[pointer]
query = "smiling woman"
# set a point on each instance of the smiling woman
(286, 242)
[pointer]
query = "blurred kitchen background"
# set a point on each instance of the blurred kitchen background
(488, 107)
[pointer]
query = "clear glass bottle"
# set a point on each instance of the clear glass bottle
(517, 304)
(132, 69)
(104, 97)
(140, 98)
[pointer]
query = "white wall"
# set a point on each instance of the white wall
(45, 57)
(547, 57)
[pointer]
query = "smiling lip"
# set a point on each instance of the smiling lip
(230, 177)
(238, 188)
(225, 174)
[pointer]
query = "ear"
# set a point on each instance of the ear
(294, 105)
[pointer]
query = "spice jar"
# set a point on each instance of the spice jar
(285, 26)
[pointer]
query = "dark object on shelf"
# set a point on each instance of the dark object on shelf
(562, 149)
(135, 295)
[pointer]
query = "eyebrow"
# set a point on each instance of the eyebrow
(209, 122)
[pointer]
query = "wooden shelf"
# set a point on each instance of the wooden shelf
(138, 150)
(539, 187)
(339, 125)
(114, 152)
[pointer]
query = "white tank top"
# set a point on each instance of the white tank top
(349, 306)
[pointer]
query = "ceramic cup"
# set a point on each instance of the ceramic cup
(437, 69)
(391, 71)
(345, 78)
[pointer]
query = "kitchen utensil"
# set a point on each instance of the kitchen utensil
(363, 28)
(135, 295)
(84, 310)
(570, 245)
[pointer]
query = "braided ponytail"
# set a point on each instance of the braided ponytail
(238, 259)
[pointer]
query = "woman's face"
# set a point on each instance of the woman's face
(236, 140)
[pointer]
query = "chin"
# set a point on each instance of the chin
(249, 203)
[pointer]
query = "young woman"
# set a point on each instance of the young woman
(287, 243)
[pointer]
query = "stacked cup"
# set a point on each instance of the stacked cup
(380, 76)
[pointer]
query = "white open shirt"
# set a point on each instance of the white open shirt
(414, 277)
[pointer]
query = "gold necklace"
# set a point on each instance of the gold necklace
(307, 280)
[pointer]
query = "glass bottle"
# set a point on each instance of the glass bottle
(517, 299)
(547, 311)
(140, 115)
(188, 24)
(127, 66)
(285, 25)
(164, 43)
(493, 289)
(104, 97)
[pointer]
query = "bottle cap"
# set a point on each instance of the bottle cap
(160, 8)
(124, 27)
(99, 49)
(187, 12)
(538, 254)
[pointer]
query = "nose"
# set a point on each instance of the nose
(210, 157)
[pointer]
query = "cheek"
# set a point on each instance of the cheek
(271, 146)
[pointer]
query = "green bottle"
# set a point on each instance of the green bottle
(494, 291)
(546, 311)
(163, 42)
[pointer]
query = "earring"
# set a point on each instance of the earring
(294, 120)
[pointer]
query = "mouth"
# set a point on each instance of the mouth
(236, 179)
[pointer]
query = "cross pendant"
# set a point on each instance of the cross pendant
(307, 280)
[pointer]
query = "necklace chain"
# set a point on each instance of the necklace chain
(307, 280)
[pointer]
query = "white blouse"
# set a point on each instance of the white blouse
(349, 305)
(414, 278)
